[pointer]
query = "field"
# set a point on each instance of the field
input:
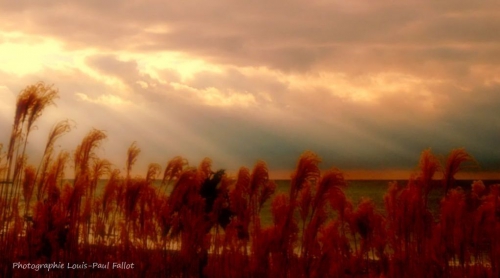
(196, 221)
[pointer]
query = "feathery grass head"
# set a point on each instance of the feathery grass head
(205, 168)
(243, 180)
(100, 167)
(391, 198)
(153, 172)
(29, 107)
(174, 168)
(266, 192)
(454, 162)
(85, 151)
(57, 131)
(40, 95)
(132, 153)
(478, 188)
(429, 165)
(307, 169)
(31, 102)
(363, 217)
(280, 206)
(259, 177)
(238, 204)
(189, 183)
(132, 194)
(304, 201)
(330, 187)
(111, 188)
(60, 163)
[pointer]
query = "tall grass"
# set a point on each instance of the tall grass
(208, 224)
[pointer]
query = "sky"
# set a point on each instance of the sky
(366, 85)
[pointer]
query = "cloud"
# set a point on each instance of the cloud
(108, 100)
(363, 84)
(287, 36)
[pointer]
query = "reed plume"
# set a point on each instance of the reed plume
(453, 165)
(429, 165)
(29, 107)
(205, 168)
(261, 188)
(174, 169)
(57, 131)
(84, 155)
(132, 153)
(239, 203)
(307, 170)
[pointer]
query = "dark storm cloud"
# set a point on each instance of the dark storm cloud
(405, 76)
(292, 35)
(388, 133)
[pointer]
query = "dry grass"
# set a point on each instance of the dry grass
(209, 224)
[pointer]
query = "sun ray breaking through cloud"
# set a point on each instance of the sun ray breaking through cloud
(365, 85)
